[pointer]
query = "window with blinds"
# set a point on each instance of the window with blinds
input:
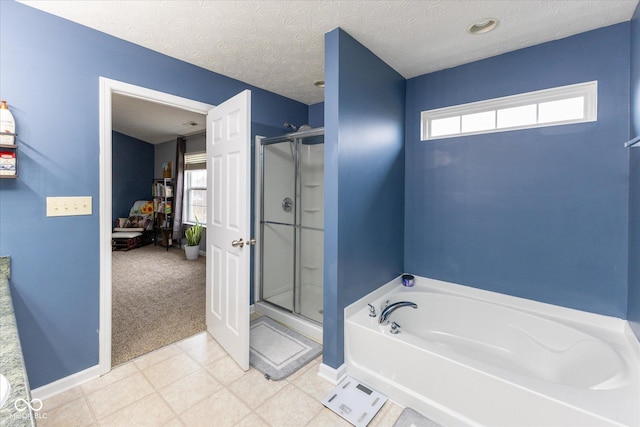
(195, 187)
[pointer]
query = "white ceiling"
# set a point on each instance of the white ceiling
(152, 122)
(279, 45)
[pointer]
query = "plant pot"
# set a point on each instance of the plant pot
(192, 252)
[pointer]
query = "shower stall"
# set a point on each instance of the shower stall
(291, 221)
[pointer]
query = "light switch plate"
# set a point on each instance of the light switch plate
(68, 206)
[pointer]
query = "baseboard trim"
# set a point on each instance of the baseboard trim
(333, 375)
(66, 383)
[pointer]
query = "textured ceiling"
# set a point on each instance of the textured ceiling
(152, 122)
(278, 45)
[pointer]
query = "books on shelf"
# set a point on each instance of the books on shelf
(161, 190)
(161, 207)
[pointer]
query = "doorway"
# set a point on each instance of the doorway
(108, 88)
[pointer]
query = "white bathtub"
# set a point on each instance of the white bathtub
(472, 357)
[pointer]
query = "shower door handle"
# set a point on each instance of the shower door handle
(240, 243)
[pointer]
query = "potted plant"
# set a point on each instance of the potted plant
(193, 235)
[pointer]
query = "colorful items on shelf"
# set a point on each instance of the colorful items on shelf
(7, 125)
(7, 163)
(162, 207)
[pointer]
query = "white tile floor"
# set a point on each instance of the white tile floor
(195, 383)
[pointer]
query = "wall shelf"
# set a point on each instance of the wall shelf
(10, 147)
(634, 142)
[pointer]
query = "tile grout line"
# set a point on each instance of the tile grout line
(195, 348)
(184, 351)
(129, 404)
(162, 398)
(157, 390)
(89, 406)
(138, 370)
(244, 402)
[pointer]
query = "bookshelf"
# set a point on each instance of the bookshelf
(163, 192)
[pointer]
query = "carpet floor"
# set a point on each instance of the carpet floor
(158, 297)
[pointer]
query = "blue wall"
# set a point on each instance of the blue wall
(316, 115)
(132, 173)
(49, 70)
(633, 312)
(540, 213)
(364, 180)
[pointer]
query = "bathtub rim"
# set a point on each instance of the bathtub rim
(599, 325)
(447, 414)
(613, 331)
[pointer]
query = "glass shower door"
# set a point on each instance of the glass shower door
(292, 221)
(311, 228)
(278, 224)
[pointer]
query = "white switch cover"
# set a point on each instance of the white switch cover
(68, 206)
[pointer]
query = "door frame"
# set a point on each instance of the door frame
(107, 88)
(257, 226)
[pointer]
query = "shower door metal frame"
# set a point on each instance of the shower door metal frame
(295, 138)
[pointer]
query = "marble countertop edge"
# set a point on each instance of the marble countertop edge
(15, 412)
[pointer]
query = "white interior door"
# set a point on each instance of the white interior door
(228, 190)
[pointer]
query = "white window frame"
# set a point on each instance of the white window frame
(587, 90)
(193, 161)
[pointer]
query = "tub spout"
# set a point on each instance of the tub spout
(386, 312)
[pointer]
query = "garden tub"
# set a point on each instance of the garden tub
(471, 357)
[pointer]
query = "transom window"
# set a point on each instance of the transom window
(556, 106)
(195, 188)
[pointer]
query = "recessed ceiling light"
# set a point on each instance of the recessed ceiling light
(190, 123)
(319, 83)
(483, 26)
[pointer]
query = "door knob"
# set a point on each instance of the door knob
(240, 243)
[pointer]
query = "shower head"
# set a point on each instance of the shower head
(290, 126)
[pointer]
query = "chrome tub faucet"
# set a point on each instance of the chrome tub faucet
(386, 312)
